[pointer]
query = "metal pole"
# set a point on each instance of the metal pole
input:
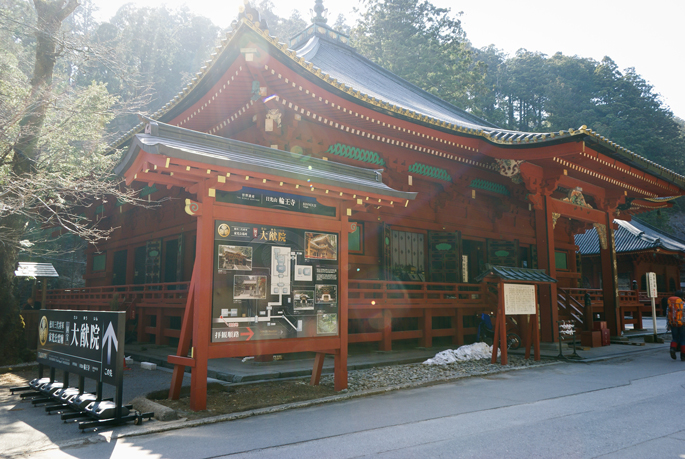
(654, 318)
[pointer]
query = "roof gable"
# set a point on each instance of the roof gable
(631, 236)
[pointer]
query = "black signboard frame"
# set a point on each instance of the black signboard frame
(87, 343)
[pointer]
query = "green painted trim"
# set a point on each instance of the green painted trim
(147, 190)
(489, 186)
(347, 151)
(430, 171)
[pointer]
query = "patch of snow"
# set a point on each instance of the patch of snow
(475, 351)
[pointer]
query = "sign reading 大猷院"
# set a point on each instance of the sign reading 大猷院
(87, 343)
(519, 299)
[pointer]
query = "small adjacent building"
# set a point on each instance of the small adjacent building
(640, 248)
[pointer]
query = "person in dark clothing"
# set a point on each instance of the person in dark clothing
(664, 311)
(31, 305)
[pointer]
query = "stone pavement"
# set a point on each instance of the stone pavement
(24, 428)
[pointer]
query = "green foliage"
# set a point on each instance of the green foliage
(422, 44)
(150, 52)
(282, 28)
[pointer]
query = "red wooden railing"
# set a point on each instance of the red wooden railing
(373, 304)
(632, 303)
(152, 305)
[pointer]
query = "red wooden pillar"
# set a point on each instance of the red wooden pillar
(202, 316)
(426, 325)
(340, 364)
(386, 330)
(610, 279)
(458, 327)
(544, 235)
(159, 326)
(130, 265)
(142, 323)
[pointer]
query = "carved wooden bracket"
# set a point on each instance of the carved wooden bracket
(555, 217)
(602, 233)
(193, 208)
(537, 201)
(610, 204)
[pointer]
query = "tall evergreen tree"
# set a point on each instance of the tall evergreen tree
(423, 44)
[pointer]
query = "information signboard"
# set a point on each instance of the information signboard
(651, 285)
(519, 299)
(87, 343)
(272, 282)
(275, 200)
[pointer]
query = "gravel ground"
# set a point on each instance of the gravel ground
(418, 373)
(252, 396)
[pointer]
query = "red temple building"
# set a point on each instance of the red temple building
(405, 197)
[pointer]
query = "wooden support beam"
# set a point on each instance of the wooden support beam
(426, 325)
(184, 341)
(318, 367)
(340, 376)
(544, 233)
(203, 302)
(386, 330)
(458, 325)
(612, 310)
(179, 361)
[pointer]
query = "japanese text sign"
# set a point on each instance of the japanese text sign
(87, 343)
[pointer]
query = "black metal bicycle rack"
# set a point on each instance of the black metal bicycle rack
(89, 361)
(567, 329)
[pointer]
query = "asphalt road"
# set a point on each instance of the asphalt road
(627, 408)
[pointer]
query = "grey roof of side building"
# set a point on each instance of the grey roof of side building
(180, 143)
(510, 273)
(631, 236)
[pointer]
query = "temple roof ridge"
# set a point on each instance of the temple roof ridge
(430, 109)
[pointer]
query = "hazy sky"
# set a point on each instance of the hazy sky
(646, 35)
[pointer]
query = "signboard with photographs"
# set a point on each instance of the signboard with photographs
(272, 282)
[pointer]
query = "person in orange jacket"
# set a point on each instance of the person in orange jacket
(677, 323)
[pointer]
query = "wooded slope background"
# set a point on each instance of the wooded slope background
(146, 55)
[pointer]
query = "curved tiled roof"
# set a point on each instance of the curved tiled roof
(353, 70)
(323, 56)
(176, 142)
(631, 236)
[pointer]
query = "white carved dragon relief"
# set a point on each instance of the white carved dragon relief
(510, 168)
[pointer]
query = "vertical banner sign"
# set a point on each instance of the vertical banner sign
(651, 285)
(86, 343)
(272, 282)
(652, 294)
